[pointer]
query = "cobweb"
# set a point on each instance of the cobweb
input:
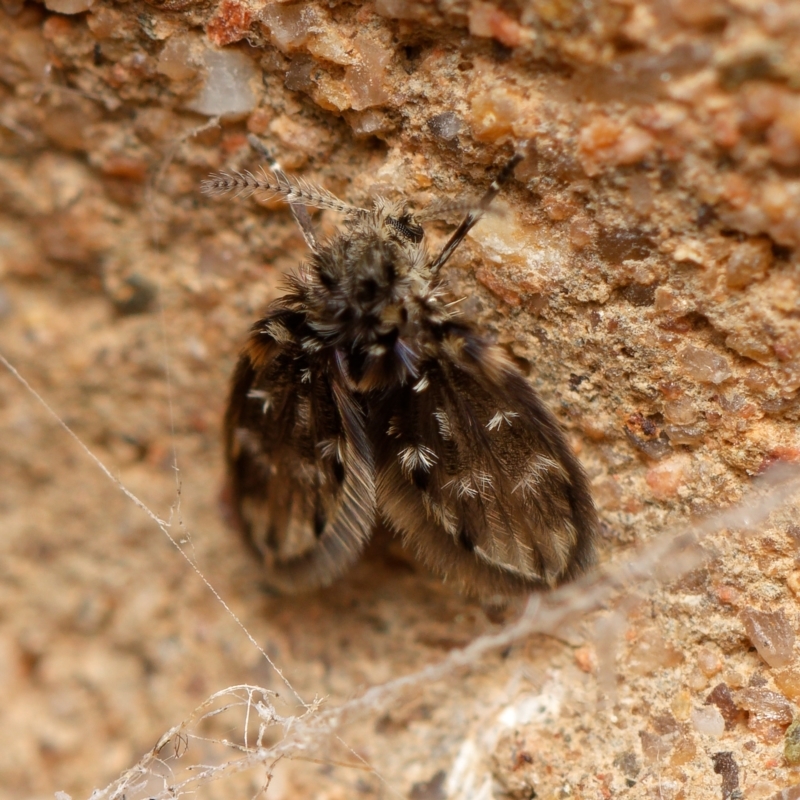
(239, 729)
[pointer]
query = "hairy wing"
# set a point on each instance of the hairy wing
(299, 462)
(476, 475)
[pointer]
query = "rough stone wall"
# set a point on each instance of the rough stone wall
(645, 270)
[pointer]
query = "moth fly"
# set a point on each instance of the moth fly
(362, 394)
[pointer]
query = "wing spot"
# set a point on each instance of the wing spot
(537, 469)
(332, 448)
(443, 422)
(260, 394)
(419, 457)
(422, 384)
(471, 485)
(311, 344)
(496, 422)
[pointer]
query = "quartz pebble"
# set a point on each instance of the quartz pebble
(330, 44)
(750, 344)
(655, 748)
(748, 262)
(769, 713)
(227, 90)
(370, 122)
(709, 661)
(176, 59)
(604, 141)
(666, 478)
(494, 112)
(722, 697)
(651, 653)
(403, 9)
(446, 125)
(364, 80)
(787, 680)
(771, 634)
(681, 705)
(690, 435)
(288, 25)
(703, 365)
(708, 721)
(298, 75)
(68, 6)
(486, 20)
(29, 48)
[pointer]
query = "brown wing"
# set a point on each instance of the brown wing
(476, 475)
(299, 461)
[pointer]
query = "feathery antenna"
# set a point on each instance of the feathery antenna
(294, 191)
(245, 184)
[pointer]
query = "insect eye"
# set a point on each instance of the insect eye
(407, 228)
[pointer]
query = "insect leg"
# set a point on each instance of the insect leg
(299, 211)
(473, 216)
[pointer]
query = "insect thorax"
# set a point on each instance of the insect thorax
(369, 295)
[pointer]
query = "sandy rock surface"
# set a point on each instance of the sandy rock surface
(645, 272)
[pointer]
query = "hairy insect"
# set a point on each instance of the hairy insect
(362, 394)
